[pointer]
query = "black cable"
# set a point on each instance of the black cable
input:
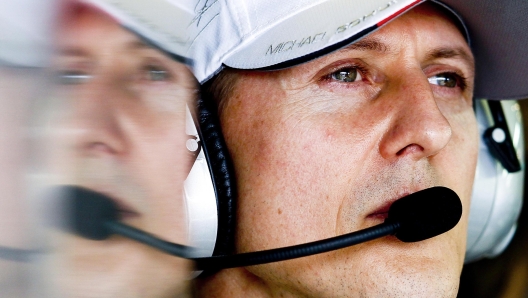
(296, 251)
(151, 240)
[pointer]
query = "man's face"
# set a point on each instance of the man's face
(120, 131)
(331, 143)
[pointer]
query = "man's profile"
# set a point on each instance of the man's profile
(118, 128)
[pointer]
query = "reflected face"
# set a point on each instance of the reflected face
(119, 130)
(333, 142)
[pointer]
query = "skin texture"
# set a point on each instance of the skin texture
(317, 157)
(118, 128)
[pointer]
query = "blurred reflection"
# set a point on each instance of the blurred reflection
(25, 27)
(118, 119)
(17, 89)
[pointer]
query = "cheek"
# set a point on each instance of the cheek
(458, 164)
(281, 182)
(463, 150)
(159, 164)
(166, 98)
(294, 169)
(158, 141)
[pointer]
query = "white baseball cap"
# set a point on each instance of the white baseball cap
(161, 23)
(275, 34)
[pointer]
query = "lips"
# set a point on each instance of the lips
(383, 211)
(125, 210)
(380, 213)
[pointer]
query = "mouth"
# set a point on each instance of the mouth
(383, 211)
(125, 213)
(125, 210)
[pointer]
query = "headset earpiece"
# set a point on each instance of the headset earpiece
(200, 195)
(211, 185)
(499, 180)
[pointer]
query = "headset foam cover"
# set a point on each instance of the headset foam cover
(222, 173)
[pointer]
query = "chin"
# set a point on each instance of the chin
(120, 269)
(388, 267)
(381, 268)
(412, 287)
(424, 269)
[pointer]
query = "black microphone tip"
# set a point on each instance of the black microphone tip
(88, 212)
(426, 213)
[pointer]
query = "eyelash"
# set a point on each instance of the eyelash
(159, 70)
(461, 80)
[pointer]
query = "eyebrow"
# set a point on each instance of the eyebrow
(373, 44)
(146, 45)
(138, 44)
(447, 53)
(73, 51)
(369, 44)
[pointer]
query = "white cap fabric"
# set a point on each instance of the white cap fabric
(25, 32)
(163, 23)
(274, 34)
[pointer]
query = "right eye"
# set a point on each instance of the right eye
(155, 73)
(346, 75)
(71, 77)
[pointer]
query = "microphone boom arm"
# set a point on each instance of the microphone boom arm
(296, 251)
(145, 238)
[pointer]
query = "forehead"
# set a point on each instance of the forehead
(429, 15)
(87, 32)
(430, 10)
(84, 25)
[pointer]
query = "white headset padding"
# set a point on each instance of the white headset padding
(200, 200)
(497, 194)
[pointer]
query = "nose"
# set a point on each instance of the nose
(418, 128)
(97, 127)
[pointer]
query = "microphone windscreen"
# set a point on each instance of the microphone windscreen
(426, 213)
(87, 212)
